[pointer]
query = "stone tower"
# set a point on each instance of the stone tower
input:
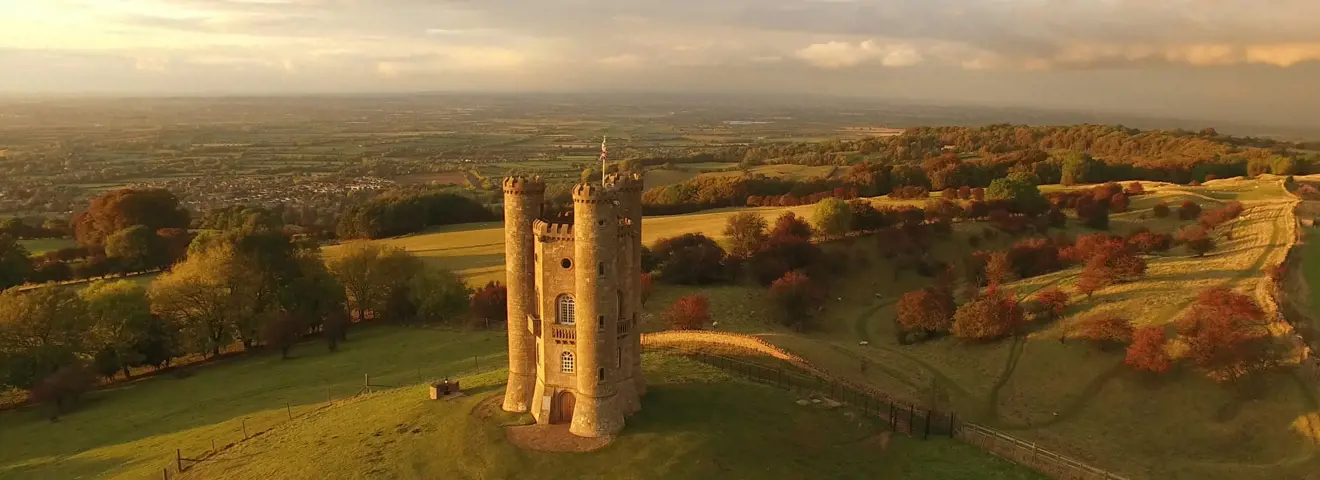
(574, 303)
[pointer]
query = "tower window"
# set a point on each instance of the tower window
(567, 310)
(602, 374)
(600, 269)
(601, 325)
(619, 362)
(566, 362)
(566, 263)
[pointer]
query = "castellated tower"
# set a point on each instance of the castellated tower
(574, 304)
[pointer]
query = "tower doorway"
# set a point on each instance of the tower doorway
(565, 410)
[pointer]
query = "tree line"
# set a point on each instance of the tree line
(928, 159)
(250, 287)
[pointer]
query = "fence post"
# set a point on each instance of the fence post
(245, 429)
(178, 458)
(911, 412)
(289, 410)
(475, 365)
(366, 382)
(165, 473)
(329, 399)
(212, 445)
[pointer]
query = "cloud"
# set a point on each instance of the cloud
(835, 54)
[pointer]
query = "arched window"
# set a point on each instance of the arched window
(566, 362)
(602, 374)
(567, 312)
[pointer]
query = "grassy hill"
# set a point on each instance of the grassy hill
(1067, 395)
(697, 422)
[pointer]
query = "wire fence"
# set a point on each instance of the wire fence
(910, 419)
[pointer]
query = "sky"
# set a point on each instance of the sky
(1251, 60)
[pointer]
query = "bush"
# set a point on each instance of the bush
(994, 315)
(688, 313)
(1189, 210)
(491, 303)
(64, 387)
(1160, 210)
(1196, 239)
(796, 299)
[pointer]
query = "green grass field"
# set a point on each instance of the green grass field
(38, 246)
(697, 422)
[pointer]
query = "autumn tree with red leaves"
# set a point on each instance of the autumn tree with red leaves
(1052, 301)
(998, 268)
(1228, 335)
(993, 315)
(1196, 239)
(796, 299)
(491, 303)
(688, 313)
(1146, 353)
(927, 312)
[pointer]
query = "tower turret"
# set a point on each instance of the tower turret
(628, 191)
(523, 197)
(596, 283)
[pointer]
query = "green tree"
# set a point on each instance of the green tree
(195, 297)
(373, 274)
(15, 265)
(833, 217)
(438, 294)
(1079, 168)
(1019, 189)
(41, 331)
(122, 323)
(746, 232)
(138, 247)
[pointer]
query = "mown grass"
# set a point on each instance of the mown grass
(696, 422)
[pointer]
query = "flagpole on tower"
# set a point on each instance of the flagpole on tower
(603, 153)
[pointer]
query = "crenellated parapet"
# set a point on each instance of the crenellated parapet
(591, 193)
(624, 182)
(523, 185)
(545, 231)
